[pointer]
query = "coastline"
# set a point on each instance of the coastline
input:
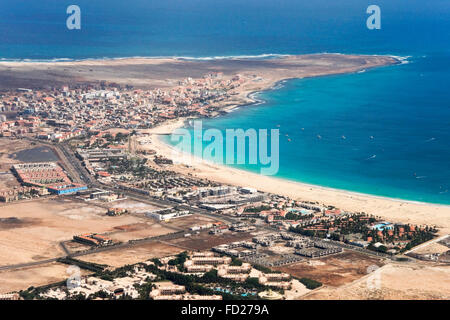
(261, 75)
(165, 72)
(251, 100)
(394, 209)
(254, 101)
(184, 58)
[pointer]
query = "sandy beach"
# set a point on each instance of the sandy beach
(395, 210)
(260, 74)
(264, 74)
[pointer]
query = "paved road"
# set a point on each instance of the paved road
(73, 164)
(129, 244)
(28, 264)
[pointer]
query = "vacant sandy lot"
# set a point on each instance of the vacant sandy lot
(120, 257)
(205, 241)
(36, 276)
(7, 180)
(189, 221)
(132, 206)
(335, 270)
(44, 223)
(423, 281)
(160, 73)
(8, 147)
(432, 248)
(139, 231)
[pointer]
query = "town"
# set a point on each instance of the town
(63, 113)
(192, 238)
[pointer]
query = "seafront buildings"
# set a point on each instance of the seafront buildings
(96, 127)
(63, 113)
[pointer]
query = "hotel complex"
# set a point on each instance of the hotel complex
(46, 175)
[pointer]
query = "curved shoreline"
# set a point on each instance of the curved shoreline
(254, 101)
(282, 179)
(259, 75)
(396, 210)
(185, 58)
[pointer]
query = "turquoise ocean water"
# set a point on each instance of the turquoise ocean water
(385, 131)
(376, 135)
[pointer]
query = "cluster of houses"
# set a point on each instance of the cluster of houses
(63, 113)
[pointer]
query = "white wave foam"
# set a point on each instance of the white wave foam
(402, 59)
(259, 56)
(231, 57)
(36, 60)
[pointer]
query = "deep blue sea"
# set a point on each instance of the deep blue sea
(385, 131)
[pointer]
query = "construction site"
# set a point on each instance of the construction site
(277, 249)
(334, 270)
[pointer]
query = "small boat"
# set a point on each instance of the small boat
(319, 136)
(371, 137)
(289, 140)
(343, 137)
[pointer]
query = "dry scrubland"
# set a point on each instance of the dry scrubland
(205, 241)
(163, 73)
(398, 211)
